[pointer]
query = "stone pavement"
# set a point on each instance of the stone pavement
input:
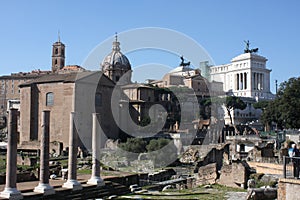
(236, 195)
(58, 182)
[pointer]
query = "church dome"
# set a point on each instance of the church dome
(115, 60)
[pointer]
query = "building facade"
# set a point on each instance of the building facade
(9, 84)
(83, 93)
(245, 76)
(9, 87)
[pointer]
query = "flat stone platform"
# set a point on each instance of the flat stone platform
(114, 185)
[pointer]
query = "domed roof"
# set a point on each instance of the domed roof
(116, 59)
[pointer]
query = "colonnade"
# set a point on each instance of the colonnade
(11, 191)
(242, 81)
(258, 80)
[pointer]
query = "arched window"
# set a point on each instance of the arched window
(49, 99)
(55, 61)
(56, 51)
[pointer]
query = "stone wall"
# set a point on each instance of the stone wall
(21, 177)
(31, 113)
(25, 160)
(125, 180)
(207, 174)
(235, 174)
(267, 168)
(288, 189)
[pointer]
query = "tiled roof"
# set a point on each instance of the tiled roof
(65, 78)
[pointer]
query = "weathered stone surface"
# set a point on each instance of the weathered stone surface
(235, 174)
(269, 178)
(207, 174)
(288, 189)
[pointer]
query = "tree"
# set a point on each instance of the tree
(261, 105)
(157, 144)
(134, 145)
(285, 109)
(232, 103)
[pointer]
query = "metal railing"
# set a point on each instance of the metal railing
(291, 167)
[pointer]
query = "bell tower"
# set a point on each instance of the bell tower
(58, 55)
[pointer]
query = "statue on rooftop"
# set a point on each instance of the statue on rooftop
(248, 50)
(183, 64)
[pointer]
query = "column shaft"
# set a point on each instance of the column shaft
(44, 162)
(96, 135)
(10, 190)
(73, 149)
(44, 186)
(72, 160)
(11, 166)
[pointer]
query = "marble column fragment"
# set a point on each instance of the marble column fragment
(44, 186)
(10, 190)
(72, 182)
(95, 178)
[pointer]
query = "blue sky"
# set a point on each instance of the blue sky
(28, 29)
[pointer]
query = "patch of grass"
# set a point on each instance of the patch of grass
(217, 192)
(84, 171)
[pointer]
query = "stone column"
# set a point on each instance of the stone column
(245, 81)
(254, 80)
(10, 190)
(241, 81)
(44, 186)
(72, 160)
(237, 82)
(262, 81)
(96, 135)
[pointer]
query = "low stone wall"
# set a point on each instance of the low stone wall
(288, 189)
(21, 177)
(267, 168)
(125, 180)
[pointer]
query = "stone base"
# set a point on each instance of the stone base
(72, 184)
(96, 181)
(11, 193)
(46, 189)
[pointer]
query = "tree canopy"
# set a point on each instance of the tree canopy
(285, 109)
(232, 103)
